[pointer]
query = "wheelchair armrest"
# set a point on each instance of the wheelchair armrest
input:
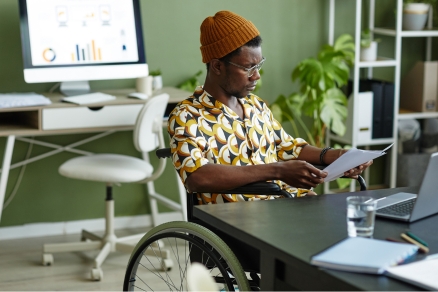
(259, 188)
(256, 188)
(163, 153)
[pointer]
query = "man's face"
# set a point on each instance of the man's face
(236, 81)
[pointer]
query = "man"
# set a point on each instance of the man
(223, 136)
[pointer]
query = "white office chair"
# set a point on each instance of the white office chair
(113, 169)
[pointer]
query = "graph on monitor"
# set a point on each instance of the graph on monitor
(80, 40)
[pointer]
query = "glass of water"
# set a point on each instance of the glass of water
(361, 213)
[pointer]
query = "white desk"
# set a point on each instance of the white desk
(65, 118)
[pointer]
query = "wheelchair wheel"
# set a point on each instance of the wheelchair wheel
(150, 266)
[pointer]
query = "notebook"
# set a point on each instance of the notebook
(411, 207)
(364, 255)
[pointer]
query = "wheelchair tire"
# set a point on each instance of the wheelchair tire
(173, 241)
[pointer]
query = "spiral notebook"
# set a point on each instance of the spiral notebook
(364, 255)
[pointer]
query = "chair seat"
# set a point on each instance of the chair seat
(109, 168)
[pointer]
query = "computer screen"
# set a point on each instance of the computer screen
(74, 41)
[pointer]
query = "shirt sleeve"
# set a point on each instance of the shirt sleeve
(186, 142)
(288, 147)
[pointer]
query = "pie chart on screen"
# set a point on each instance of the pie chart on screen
(49, 55)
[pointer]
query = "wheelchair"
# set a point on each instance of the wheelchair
(161, 258)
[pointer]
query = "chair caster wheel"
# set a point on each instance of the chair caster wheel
(96, 274)
(47, 259)
(166, 265)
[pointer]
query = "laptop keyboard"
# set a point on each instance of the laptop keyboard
(400, 209)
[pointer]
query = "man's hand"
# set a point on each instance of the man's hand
(355, 172)
(301, 174)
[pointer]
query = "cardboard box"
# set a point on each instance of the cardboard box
(419, 88)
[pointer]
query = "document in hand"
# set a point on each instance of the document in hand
(364, 255)
(351, 159)
(423, 273)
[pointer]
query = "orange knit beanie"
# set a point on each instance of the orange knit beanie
(223, 33)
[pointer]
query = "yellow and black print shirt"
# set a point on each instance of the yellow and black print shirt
(203, 130)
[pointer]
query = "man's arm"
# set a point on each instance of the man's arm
(217, 178)
(298, 173)
(312, 154)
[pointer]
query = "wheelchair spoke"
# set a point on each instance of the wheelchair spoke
(174, 249)
(160, 264)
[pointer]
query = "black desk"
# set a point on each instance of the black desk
(289, 232)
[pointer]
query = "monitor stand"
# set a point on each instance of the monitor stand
(72, 88)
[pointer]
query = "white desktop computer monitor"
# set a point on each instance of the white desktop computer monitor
(74, 41)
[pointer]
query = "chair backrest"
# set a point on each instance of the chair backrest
(149, 124)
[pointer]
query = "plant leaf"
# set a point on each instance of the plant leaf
(336, 71)
(334, 111)
(311, 72)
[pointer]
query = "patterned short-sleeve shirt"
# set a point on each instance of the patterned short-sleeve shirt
(204, 130)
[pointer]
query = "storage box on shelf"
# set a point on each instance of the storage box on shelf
(419, 89)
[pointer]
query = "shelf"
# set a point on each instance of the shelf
(407, 33)
(406, 115)
(380, 62)
(381, 141)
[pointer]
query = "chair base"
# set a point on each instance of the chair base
(91, 241)
(106, 244)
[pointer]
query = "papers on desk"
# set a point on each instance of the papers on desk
(9, 100)
(352, 158)
(89, 98)
(422, 273)
(364, 255)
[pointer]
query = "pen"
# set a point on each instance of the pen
(422, 248)
(414, 237)
(393, 240)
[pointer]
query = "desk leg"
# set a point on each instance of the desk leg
(267, 270)
(7, 157)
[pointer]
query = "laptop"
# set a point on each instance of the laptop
(411, 207)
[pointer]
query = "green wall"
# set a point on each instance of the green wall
(291, 30)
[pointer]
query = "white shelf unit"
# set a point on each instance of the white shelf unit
(395, 62)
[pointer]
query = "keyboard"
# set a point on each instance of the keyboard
(400, 209)
(89, 98)
(8, 100)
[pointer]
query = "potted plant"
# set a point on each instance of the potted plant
(157, 82)
(415, 13)
(320, 96)
(368, 46)
(191, 83)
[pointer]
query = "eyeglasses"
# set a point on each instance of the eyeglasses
(252, 70)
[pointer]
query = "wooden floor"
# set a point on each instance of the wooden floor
(21, 266)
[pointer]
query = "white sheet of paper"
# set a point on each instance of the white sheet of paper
(422, 273)
(351, 159)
